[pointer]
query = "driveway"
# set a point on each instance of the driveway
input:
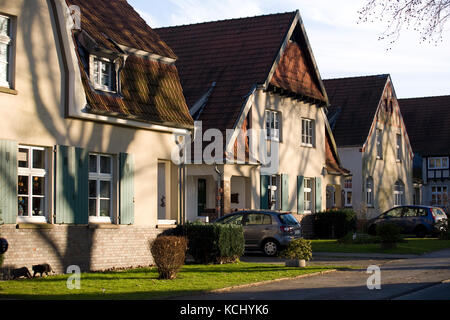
(416, 277)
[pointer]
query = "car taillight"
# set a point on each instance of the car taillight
(286, 229)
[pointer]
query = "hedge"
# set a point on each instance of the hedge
(334, 224)
(213, 243)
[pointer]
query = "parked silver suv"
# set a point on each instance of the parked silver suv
(268, 231)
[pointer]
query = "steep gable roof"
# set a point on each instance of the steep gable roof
(427, 121)
(221, 62)
(150, 89)
(354, 102)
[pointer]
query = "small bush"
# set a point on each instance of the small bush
(334, 224)
(299, 249)
(169, 253)
(359, 238)
(389, 233)
(444, 227)
(214, 243)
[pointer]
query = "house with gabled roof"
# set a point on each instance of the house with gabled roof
(372, 141)
(428, 122)
(255, 81)
(91, 102)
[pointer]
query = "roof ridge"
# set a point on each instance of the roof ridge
(358, 77)
(426, 97)
(230, 19)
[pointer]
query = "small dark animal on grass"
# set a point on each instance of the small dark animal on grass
(21, 272)
(42, 268)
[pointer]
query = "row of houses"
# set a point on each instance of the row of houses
(113, 132)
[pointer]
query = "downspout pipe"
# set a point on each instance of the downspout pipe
(219, 193)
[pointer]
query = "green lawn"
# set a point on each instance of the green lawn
(412, 246)
(144, 283)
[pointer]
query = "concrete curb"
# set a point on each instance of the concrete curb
(249, 285)
(363, 255)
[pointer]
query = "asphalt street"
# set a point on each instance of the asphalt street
(423, 277)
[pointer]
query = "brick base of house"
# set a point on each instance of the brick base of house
(90, 248)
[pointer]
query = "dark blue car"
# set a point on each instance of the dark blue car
(418, 220)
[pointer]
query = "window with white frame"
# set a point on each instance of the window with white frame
(5, 51)
(399, 147)
(399, 193)
(309, 195)
(379, 142)
(273, 127)
(438, 163)
(348, 191)
(31, 183)
(103, 74)
(100, 188)
(369, 192)
(439, 196)
(308, 132)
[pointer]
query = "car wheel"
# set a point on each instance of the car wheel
(420, 232)
(270, 248)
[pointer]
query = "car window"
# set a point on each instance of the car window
(394, 213)
(288, 219)
(438, 212)
(233, 219)
(258, 219)
(422, 212)
(410, 212)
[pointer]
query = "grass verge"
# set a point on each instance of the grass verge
(144, 283)
(411, 246)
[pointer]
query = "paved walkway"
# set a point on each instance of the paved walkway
(400, 279)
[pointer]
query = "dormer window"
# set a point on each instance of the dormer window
(103, 74)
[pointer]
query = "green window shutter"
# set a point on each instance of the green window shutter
(285, 192)
(71, 185)
(300, 194)
(8, 182)
(318, 194)
(264, 197)
(126, 181)
(81, 186)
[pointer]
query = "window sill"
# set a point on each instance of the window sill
(35, 226)
(92, 225)
(8, 91)
(307, 145)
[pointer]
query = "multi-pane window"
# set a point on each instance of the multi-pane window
(369, 192)
(32, 182)
(379, 142)
(439, 196)
(399, 147)
(348, 192)
(309, 194)
(103, 74)
(100, 187)
(399, 194)
(273, 125)
(308, 132)
(438, 163)
(5, 51)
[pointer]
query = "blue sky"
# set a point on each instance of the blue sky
(342, 46)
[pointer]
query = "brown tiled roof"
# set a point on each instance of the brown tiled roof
(150, 90)
(117, 20)
(234, 54)
(427, 121)
(296, 74)
(354, 102)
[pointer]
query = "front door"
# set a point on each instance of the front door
(162, 207)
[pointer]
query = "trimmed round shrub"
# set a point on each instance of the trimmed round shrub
(389, 233)
(299, 249)
(169, 253)
(334, 224)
